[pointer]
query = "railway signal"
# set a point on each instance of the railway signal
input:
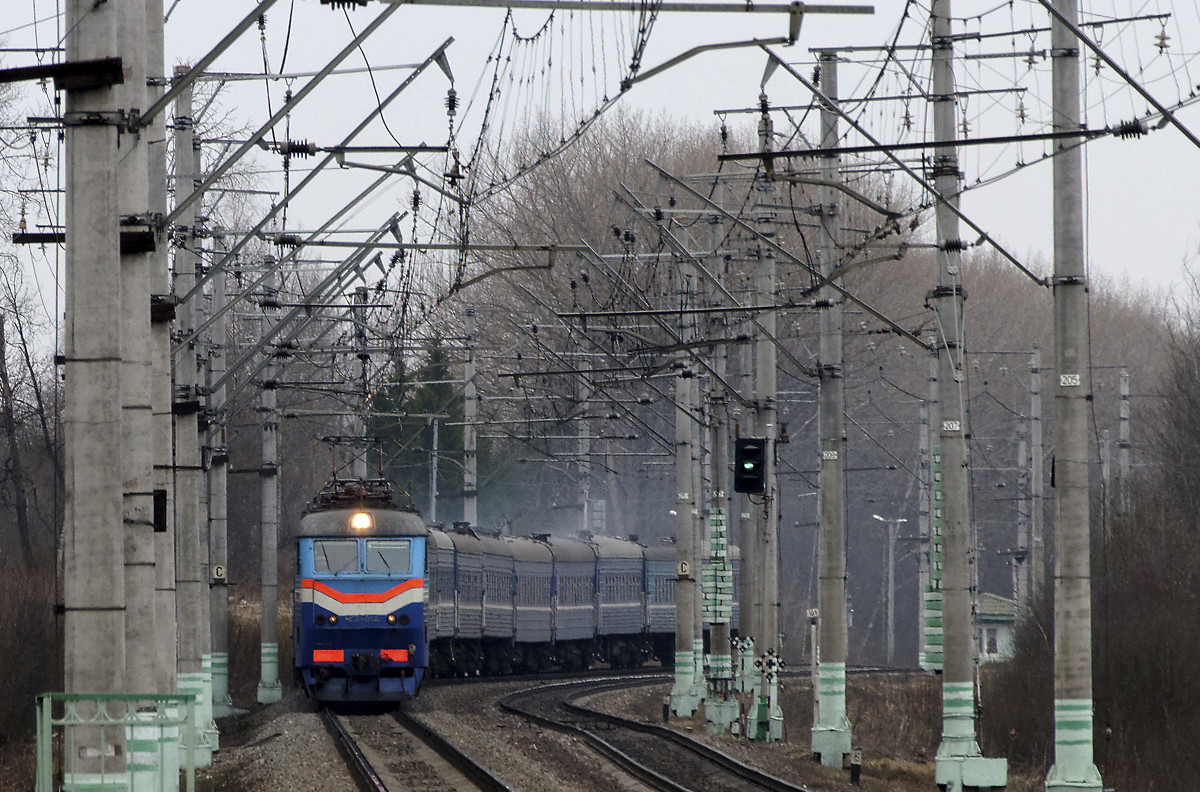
(750, 465)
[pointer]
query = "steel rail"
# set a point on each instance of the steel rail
(629, 764)
(461, 761)
(364, 774)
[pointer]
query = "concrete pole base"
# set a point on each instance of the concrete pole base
(269, 689)
(1073, 777)
(969, 773)
(1055, 782)
(831, 744)
(685, 693)
(269, 693)
(222, 704)
(775, 724)
(95, 782)
(1073, 750)
(208, 723)
(202, 750)
(721, 714)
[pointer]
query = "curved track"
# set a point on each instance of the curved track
(658, 757)
(395, 752)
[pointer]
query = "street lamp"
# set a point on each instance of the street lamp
(891, 583)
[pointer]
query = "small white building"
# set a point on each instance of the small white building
(996, 624)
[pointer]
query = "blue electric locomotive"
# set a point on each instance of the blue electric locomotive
(358, 623)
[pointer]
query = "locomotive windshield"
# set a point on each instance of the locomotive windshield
(388, 555)
(335, 555)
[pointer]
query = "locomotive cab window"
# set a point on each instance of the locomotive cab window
(388, 555)
(335, 555)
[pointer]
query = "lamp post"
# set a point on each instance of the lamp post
(892, 526)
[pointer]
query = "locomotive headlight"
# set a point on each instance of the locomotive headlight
(333, 619)
(360, 521)
(391, 618)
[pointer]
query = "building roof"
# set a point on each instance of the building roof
(994, 608)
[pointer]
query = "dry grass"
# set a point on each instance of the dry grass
(244, 640)
(27, 641)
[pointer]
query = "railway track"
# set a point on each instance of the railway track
(394, 752)
(660, 758)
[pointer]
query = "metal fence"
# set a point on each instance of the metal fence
(115, 742)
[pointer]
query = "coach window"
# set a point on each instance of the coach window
(388, 555)
(335, 556)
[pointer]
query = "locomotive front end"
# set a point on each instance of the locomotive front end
(358, 609)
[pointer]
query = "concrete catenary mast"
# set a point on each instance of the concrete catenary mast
(269, 689)
(960, 763)
(93, 547)
(765, 632)
(1074, 767)
(686, 691)
(191, 583)
(218, 513)
(470, 430)
(831, 732)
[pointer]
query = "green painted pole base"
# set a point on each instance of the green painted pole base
(193, 684)
(963, 773)
(959, 764)
(832, 744)
(95, 782)
(207, 721)
(222, 704)
(269, 689)
(721, 714)
(685, 693)
(831, 733)
(774, 724)
(1073, 769)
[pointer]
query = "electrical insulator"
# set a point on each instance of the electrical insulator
(1129, 129)
(1162, 41)
(454, 175)
(296, 148)
(451, 102)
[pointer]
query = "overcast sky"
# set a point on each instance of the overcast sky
(1141, 208)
